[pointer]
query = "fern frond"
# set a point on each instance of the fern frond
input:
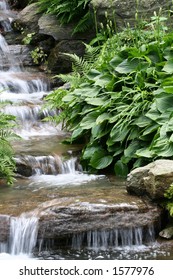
(84, 23)
(91, 53)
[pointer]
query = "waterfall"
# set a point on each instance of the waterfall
(125, 237)
(4, 5)
(49, 165)
(5, 19)
(23, 234)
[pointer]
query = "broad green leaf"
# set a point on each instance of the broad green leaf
(89, 120)
(119, 134)
(127, 66)
(103, 80)
(171, 138)
(101, 160)
(89, 151)
(165, 151)
(102, 118)
(134, 133)
(121, 169)
(144, 152)
(68, 98)
(150, 129)
(99, 130)
(76, 133)
(87, 91)
(168, 89)
(142, 121)
(168, 68)
(116, 61)
(167, 81)
(164, 130)
(164, 117)
(131, 149)
(95, 101)
(92, 74)
(164, 103)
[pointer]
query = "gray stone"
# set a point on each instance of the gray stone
(49, 25)
(123, 12)
(23, 169)
(58, 221)
(60, 63)
(22, 53)
(28, 18)
(153, 179)
(167, 233)
(4, 227)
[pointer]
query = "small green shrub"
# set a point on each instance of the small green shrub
(38, 55)
(120, 107)
(169, 200)
(7, 163)
(67, 11)
(28, 38)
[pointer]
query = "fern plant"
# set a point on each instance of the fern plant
(7, 162)
(69, 11)
(81, 66)
(121, 109)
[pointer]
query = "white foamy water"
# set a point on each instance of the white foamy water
(60, 180)
(6, 256)
(23, 232)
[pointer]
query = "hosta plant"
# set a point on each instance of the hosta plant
(121, 107)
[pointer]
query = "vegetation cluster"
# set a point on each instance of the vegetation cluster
(120, 100)
(7, 162)
(76, 11)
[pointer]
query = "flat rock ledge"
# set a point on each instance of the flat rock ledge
(59, 218)
(151, 180)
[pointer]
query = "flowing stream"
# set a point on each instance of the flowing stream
(93, 215)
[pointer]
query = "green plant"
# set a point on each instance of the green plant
(169, 200)
(7, 163)
(120, 108)
(38, 55)
(28, 38)
(69, 11)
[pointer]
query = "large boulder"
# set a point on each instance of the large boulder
(152, 180)
(28, 18)
(123, 12)
(58, 62)
(167, 233)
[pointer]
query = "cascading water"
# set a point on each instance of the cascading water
(23, 234)
(48, 172)
(125, 237)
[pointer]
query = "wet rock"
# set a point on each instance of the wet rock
(4, 227)
(23, 169)
(123, 12)
(167, 233)
(152, 180)
(60, 63)
(28, 18)
(49, 25)
(22, 53)
(57, 221)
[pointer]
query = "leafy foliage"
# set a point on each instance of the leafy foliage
(69, 11)
(120, 108)
(169, 200)
(7, 163)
